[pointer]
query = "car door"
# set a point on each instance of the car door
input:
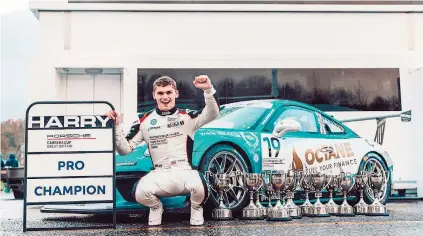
(340, 150)
(298, 150)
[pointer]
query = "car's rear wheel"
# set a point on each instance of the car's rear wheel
(373, 163)
(224, 158)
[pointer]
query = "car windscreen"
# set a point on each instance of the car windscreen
(244, 118)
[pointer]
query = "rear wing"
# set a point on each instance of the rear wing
(381, 122)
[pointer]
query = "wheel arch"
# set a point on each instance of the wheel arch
(239, 149)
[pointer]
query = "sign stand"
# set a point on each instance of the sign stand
(62, 178)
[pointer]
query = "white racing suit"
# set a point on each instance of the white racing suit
(169, 136)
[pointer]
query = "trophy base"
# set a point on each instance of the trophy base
(377, 210)
(332, 208)
(320, 215)
(360, 209)
(346, 210)
(278, 214)
(262, 210)
(295, 212)
(319, 210)
(222, 214)
(251, 213)
(306, 208)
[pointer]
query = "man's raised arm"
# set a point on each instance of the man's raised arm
(212, 109)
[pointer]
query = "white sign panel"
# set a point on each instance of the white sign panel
(59, 165)
(70, 140)
(71, 189)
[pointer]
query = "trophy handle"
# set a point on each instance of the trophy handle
(309, 183)
(352, 179)
(329, 181)
(261, 177)
(300, 178)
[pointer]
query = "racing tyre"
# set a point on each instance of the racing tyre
(374, 163)
(224, 158)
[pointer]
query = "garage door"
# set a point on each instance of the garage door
(93, 88)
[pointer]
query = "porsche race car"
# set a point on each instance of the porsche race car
(242, 139)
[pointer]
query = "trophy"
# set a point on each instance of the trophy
(375, 182)
(262, 209)
(306, 207)
(293, 179)
(268, 192)
(361, 208)
(278, 212)
(252, 182)
(319, 182)
(220, 183)
(332, 207)
(347, 182)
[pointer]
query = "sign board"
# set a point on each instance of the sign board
(70, 159)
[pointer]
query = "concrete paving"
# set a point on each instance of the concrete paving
(406, 218)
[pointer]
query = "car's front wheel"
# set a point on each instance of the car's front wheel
(220, 159)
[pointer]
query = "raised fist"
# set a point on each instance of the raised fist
(202, 82)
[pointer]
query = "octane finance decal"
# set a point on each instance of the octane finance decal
(325, 158)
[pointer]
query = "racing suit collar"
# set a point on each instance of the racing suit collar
(165, 113)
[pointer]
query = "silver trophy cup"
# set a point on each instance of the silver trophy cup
(220, 183)
(347, 183)
(306, 207)
(293, 179)
(262, 209)
(269, 193)
(253, 183)
(278, 212)
(361, 208)
(376, 182)
(319, 182)
(332, 207)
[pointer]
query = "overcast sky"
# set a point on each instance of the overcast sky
(18, 39)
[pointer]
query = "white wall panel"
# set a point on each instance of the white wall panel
(238, 33)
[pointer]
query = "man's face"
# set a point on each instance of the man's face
(165, 97)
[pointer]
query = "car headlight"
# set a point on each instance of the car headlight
(146, 153)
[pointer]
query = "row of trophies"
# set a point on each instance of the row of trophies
(281, 186)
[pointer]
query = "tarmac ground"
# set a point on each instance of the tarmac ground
(406, 218)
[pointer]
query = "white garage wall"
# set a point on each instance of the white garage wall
(226, 33)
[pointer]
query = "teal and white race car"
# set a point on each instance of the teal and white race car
(241, 139)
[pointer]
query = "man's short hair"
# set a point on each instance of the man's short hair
(164, 81)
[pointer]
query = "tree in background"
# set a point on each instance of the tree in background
(12, 135)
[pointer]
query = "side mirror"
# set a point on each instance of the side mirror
(285, 126)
